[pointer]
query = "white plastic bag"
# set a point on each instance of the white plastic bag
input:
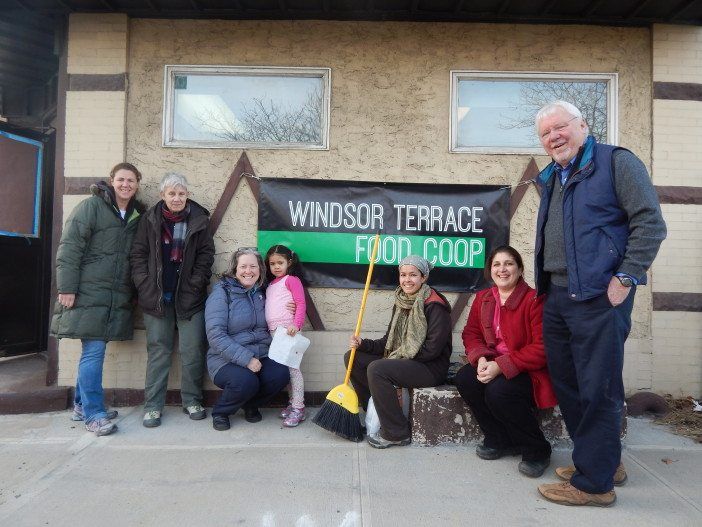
(372, 420)
(288, 350)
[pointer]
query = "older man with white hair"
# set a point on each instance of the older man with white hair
(599, 228)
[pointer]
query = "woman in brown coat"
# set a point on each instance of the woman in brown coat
(171, 261)
(414, 352)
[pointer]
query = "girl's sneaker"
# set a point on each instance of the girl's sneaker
(295, 417)
(285, 412)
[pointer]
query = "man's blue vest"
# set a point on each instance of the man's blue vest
(595, 227)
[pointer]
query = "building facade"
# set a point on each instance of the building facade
(390, 115)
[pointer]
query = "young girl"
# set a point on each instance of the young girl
(284, 286)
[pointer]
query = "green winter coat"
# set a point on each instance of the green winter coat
(93, 262)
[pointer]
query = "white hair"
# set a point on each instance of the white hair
(172, 179)
(553, 107)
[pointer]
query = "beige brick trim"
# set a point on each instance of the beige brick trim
(97, 43)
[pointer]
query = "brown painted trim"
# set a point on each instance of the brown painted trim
(458, 307)
(134, 397)
(76, 186)
(679, 195)
(52, 354)
(255, 186)
(36, 401)
(689, 302)
(312, 313)
(677, 91)
(242, 166)
(530, 173)
(97, 82)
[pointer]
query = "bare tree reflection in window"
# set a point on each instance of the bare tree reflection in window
(589, 97)
(263, 120)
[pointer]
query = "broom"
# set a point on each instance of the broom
(339, 413)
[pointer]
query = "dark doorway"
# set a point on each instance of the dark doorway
(26, 173)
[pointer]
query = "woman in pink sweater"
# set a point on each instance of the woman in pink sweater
(284, 287)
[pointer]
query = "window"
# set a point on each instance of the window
(493, 112)
(246, 107)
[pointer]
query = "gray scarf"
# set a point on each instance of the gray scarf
(408, 327)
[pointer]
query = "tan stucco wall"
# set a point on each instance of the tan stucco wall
(389, 122)
(389, 110)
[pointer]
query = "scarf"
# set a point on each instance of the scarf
(176, 239)
(408, 327)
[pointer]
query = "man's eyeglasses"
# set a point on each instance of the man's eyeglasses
(558, 128)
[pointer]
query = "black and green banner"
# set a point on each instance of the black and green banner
(331, 226)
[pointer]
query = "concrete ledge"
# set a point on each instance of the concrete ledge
(439, 416)
(34, 401)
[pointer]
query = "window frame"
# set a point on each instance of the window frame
(612, 80)
(171, 70)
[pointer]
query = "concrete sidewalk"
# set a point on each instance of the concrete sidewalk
(53, 472)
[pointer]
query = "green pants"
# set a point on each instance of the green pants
(192, 345)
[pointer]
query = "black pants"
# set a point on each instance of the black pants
(375, 376)
(242, 387)
(505, 411)
(585, 350)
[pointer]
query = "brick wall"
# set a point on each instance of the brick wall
(95, 142)
(677, 155)
(97, 44)
(677, 162)
(94, 132)
(677, 53)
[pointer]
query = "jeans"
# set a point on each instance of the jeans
(192, 345)
(585, 351)
(89, 392)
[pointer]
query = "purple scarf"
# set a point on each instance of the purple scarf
(176, 239)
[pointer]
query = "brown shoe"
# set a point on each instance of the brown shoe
(620, 477)
(567, 494)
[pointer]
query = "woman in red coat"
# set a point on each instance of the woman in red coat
(506, 378)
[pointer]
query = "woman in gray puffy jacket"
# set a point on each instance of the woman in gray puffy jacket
(237, 359)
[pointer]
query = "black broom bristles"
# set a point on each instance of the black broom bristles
(337, 419)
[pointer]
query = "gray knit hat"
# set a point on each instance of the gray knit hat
(420, 263)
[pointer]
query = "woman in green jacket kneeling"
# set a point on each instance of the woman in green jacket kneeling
(94, 285)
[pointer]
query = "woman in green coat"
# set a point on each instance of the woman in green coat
(94, 286)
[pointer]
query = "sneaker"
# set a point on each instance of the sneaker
(489, 453)
(285, 412)
(378, 441)
(196, 412)
(101, 427)
(620, 476)
(534, 469)
(78, 414)
(252, 415)
(567, 494)
(295, 417)
(152, 419)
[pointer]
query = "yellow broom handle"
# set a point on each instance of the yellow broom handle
(359, 320)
